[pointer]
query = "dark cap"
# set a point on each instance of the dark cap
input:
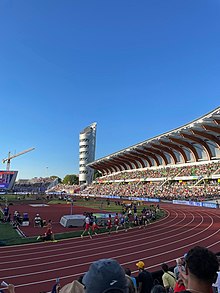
(105, 275)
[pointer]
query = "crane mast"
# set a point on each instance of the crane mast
(8, 159)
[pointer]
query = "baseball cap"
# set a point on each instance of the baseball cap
(140, 264)
(105, 275)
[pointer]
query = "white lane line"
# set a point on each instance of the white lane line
(124, 255)
(48, 248)
(122, 264)
(110, 251)
(98, 247)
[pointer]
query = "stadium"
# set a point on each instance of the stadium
(177, 172)
(186, 158)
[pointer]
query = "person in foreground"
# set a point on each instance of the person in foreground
(144, 278)
(216, 285)
(200, 271)
(168, 278)
(105, 275)
(9, 287)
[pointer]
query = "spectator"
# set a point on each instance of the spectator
(144, 279)
(37, 221)
(128, 273)
(105, 275)
(56, 287)
(158, 289)
(179, 267)
(184, 259)
(6, 213)
(17, 218)
(168, 278)
(217, 283)
(179, 286)
(74, 287)
(9, 287)
(201, 270)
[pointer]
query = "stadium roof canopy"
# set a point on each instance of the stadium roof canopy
(194, 142)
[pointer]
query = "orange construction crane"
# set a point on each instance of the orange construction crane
(8, 159)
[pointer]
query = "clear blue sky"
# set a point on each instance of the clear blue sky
(137, 68)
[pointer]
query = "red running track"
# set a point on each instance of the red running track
(34, 268)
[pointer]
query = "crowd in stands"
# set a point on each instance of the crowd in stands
(164, 172)
(172, 183)
(193, 181)
(174, 190)
(63, 189)
(162, 182)
(196, 272)
(32, 186)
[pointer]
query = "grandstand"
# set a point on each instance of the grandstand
(34, 185)
(181, 163)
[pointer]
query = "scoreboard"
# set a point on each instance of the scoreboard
(7, 179)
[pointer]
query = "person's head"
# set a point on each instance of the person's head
(140, 265)
(202, 264)
(128, 271)
(105, 275)
(180, 282)
(165, 267)
(158, 289)
(218, 258)
(80, 278)
(179, 261)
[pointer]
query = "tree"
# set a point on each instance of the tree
(71, 179)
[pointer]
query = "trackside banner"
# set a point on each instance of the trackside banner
(196, 203)
(123, 197)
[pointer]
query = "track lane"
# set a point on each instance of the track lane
(164, 240)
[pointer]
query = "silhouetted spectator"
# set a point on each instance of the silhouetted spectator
(158, 289)
(144, 279)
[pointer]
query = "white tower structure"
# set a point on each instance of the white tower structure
(87, 143)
